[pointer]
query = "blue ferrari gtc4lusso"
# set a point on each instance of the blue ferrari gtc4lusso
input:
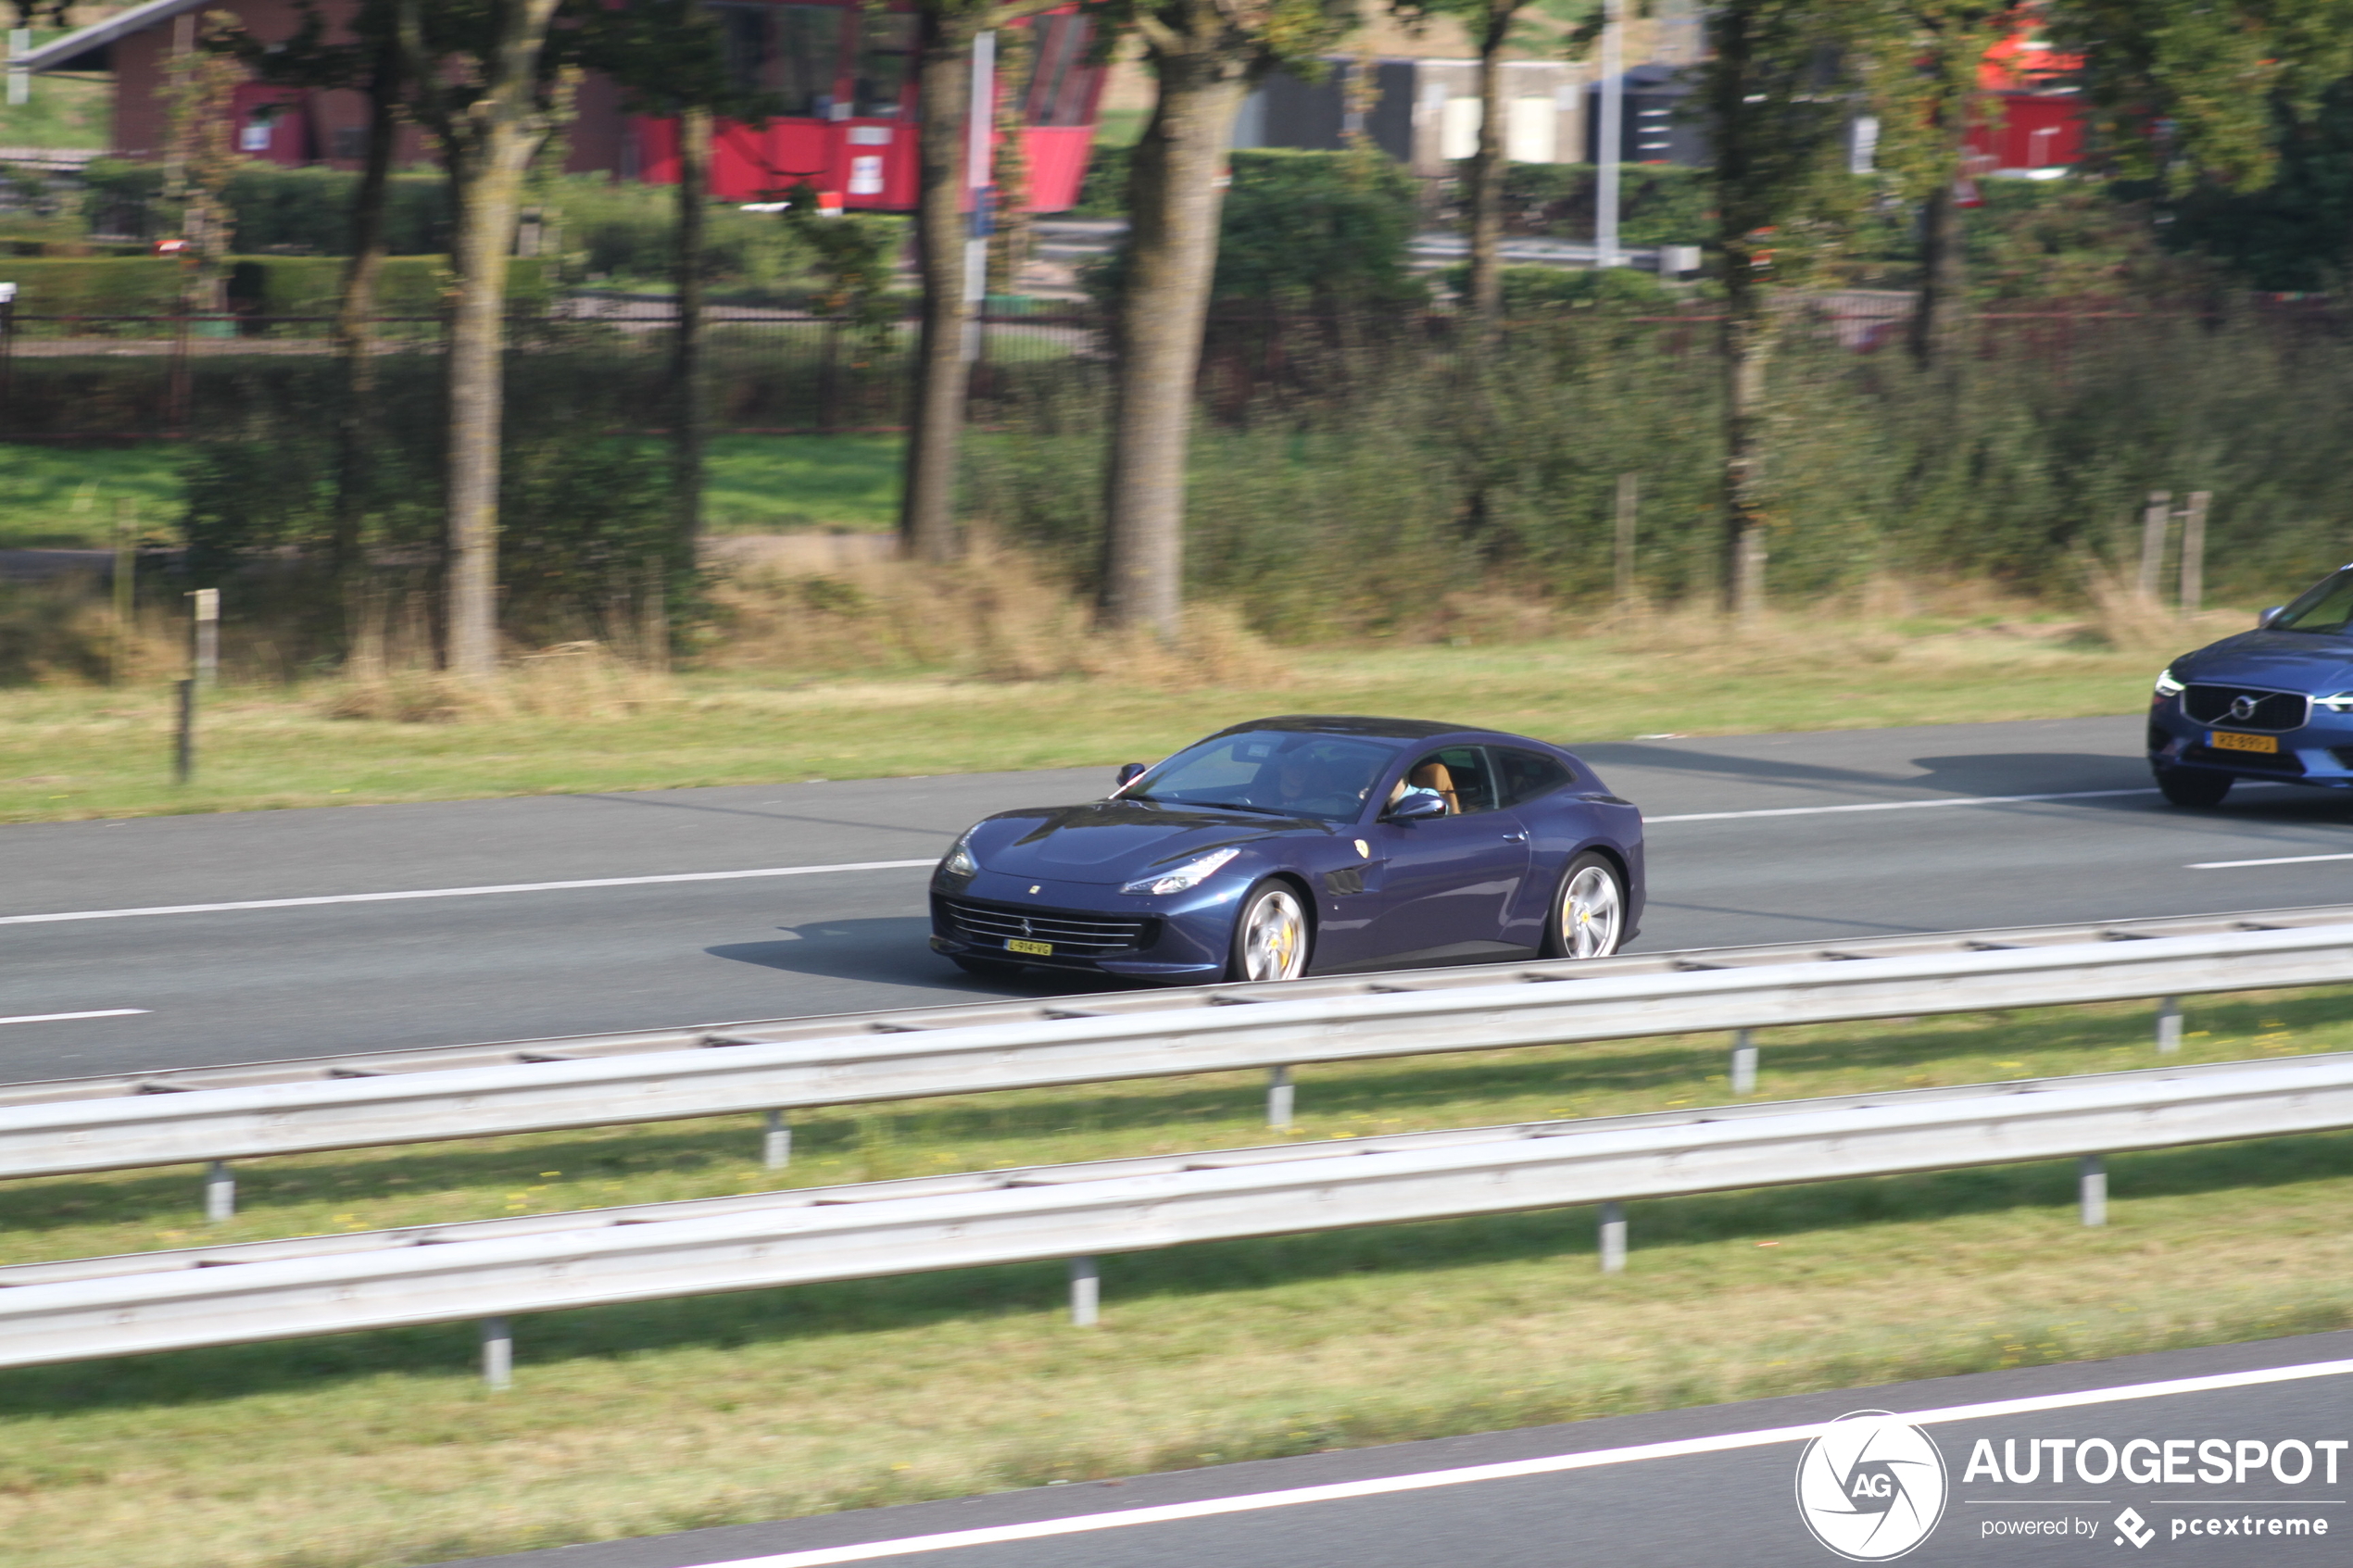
(2276, 703)
(1304, 845)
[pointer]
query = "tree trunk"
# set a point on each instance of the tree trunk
(1942, 277)
(1487, 170)
(926, 512)
(1747, 350)
(490, 144)
(489, 190)
(354, 312)
(1009, 250)
(1176, 192)
(690, 415)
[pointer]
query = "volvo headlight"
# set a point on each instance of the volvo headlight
(1192, 873)
(2166, 684)
(960, 866)
(2341, 703)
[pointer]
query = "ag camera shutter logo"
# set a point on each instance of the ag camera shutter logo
(1871, 1487)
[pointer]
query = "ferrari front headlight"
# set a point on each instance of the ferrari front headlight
(959, 863)
(1191, 874)
(2166, 684)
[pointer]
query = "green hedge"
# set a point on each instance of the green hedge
(277, 210)
(268, 285)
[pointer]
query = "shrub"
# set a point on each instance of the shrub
(1658, 203)
(1547, 291)
(1308, 228)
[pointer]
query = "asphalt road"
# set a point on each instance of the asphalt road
(1770, 848)
(1685, 1487)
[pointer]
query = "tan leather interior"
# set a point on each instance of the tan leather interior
(1434, 774)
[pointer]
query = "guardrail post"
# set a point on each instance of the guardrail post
(1086, 1292)
(2091, 1181)
(2168, 1025)
(1613, 1239)
(775, 1144)
(1278, 1101)
(1743, 1062)
(497, 1353)
(220, 1192)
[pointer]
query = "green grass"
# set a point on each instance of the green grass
(66, 497)
(71, 753)
(381, 1448)
(70, 497)
(794, 483)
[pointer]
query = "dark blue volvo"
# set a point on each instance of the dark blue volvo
(2276, 703)
(1304, 845)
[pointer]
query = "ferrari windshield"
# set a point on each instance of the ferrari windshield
(2325, 607)
(1296, 773)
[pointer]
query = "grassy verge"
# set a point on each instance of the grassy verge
(72, 753)
(381, 1448)
(70, 497)
(67, 497)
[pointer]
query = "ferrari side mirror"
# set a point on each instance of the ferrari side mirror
(1129, 773)
(1413, 807)
(2268, 617)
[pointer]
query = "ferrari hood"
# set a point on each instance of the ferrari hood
(1114, 841)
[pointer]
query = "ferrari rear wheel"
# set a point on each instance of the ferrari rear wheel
(1589, 913)
(1270, 940)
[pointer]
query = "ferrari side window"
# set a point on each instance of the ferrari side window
(1527, 775)
(1460, 776)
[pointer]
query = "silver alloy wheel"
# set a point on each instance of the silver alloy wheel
(1274, 937)
(1591, 913)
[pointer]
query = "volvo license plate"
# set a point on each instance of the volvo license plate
(1039, 949)
(2223, 740)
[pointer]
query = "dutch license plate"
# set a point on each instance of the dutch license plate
(2223, 740)
(1039, 948)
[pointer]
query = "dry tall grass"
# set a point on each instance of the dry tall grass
(582, 680)
(994, 616)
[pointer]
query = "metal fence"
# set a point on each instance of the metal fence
(489, 1269)
(388, 1097)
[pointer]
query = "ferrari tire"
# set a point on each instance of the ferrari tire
(1588, 916)
(1271, 936)
(2191, 786)
(987, 969)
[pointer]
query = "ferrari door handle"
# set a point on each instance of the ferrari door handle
(1519, 836)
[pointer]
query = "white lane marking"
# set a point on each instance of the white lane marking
(466, 892)
(2276, 860)
(1892, 806)
(61, 1017)
(1511, 1470)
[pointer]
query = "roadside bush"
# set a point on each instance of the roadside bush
(274, 208)
(1546, 291)
(629, 232)
(1318, 229)
(581, 518)
(1658, 203)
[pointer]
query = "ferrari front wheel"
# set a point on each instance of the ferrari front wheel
(1589, 912)
(1270, 939)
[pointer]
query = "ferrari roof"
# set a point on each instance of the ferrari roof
(1351, 724)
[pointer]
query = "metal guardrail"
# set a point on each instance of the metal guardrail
(490, 1268)
(606, 1080)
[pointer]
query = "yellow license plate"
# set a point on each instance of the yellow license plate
(1040, 949)
(2223, 740)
